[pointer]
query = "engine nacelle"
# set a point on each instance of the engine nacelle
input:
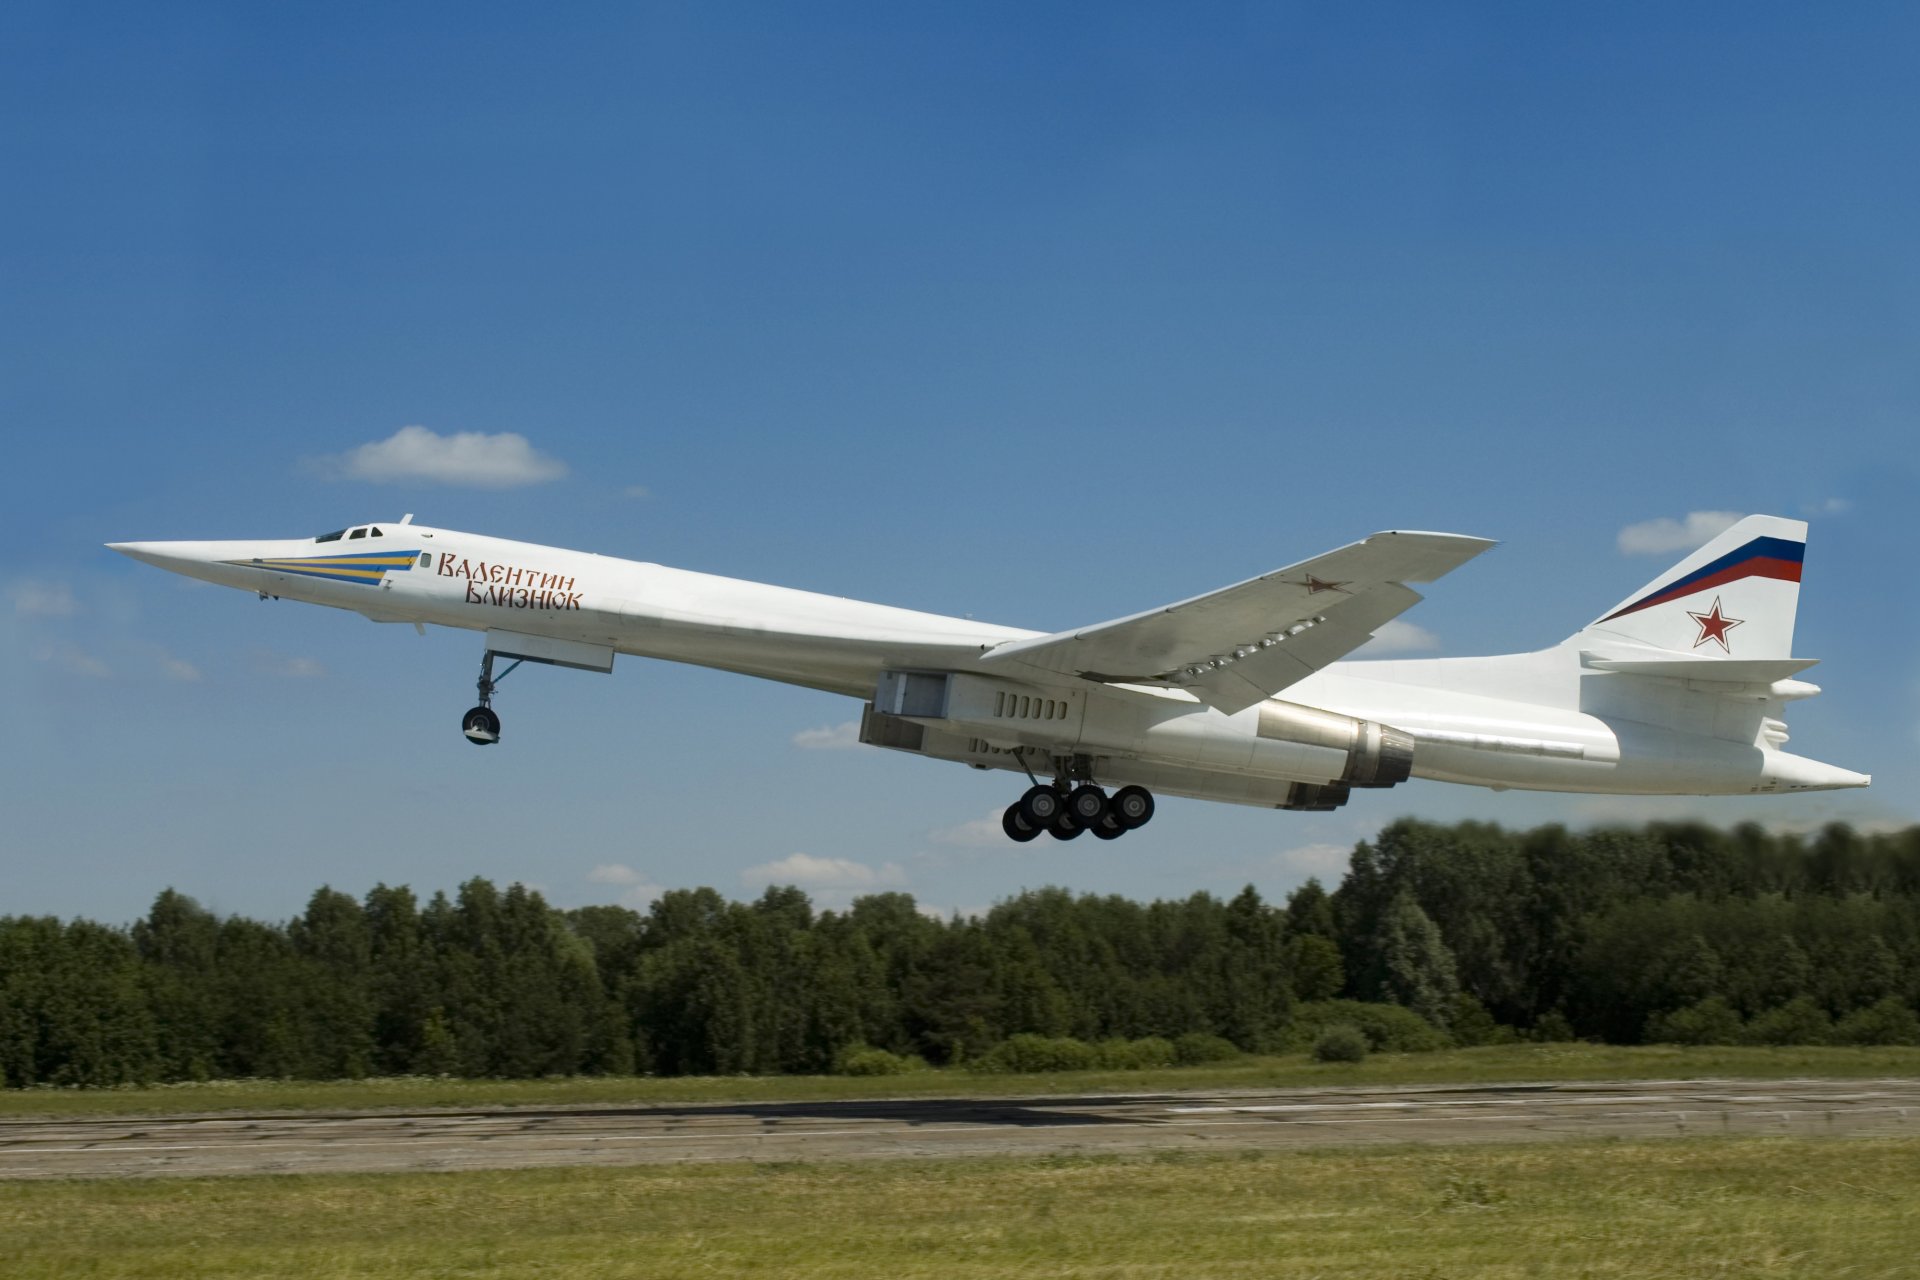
(1377, 754)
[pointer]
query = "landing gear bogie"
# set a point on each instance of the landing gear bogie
(1074, 803)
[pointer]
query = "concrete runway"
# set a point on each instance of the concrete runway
(289, 1142)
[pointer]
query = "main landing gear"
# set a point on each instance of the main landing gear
(1064, 812)
(481, 725)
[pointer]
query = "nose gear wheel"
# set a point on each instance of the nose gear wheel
(481, 725)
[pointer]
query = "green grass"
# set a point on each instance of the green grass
(1460, 1066)
(1675, 1208)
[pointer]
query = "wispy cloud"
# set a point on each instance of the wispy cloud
(1328, 861)
(1828, 507)
(1325, 859)
(266, 662)
(179, 669)
(1398, 636)
(837, 737)
(809, 872)
(35, 599)
(74, 660)
(1666, 535)
(471, 459)
(638, 491)
(638, 888)
(982, 833)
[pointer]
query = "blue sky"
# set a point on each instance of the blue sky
(1044, 314)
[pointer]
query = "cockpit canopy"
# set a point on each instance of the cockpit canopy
(358, 531)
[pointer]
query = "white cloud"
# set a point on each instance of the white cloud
(74, 660)
(637, 491)
(981, 833)
(43, 599)
(1667, 535)
(837, 737)
(472, 459)
(640, 888)
(1829, 507)
(809, 872)
(179, 669)
(1399, 637)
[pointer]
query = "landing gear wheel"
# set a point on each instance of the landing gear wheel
(481, 726)
(1132, 806)
(1088, 805)
(1041, 805)
(1109, 828)
(1063, 827)
(1015, 824)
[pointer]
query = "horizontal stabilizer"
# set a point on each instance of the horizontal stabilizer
(1714, 670)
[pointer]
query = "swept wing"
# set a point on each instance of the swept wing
(1242, 644)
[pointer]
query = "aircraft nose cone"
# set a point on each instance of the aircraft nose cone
(147, 552)
(202, 560)
(191, 558)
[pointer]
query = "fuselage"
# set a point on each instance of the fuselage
(1534, 721)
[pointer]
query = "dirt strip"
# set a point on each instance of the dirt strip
(356, 1142)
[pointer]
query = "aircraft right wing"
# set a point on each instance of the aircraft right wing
(1242, 644)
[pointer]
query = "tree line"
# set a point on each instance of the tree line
(1671, 932)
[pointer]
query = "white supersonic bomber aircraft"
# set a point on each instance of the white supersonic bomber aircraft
(1236, 695)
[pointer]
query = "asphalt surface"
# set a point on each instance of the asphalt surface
(356, 1142)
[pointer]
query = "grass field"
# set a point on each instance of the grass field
(1673, 1208)
(1462, 1066)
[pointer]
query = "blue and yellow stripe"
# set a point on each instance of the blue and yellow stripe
(366, 567)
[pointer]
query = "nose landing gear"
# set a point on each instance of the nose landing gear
(481, 725)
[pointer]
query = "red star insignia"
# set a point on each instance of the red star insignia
(1714, 626)
(1315, 585)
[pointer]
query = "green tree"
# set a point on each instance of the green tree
(402, 987)
(179, 948)
(336, 1000)
(1417, 967)
(1315, 965)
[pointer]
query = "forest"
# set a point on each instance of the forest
(1462, 934)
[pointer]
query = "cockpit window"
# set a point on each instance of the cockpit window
(357, 533)
(335, 536)
(375, 532)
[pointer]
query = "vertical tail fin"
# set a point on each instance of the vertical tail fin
(1733, 598)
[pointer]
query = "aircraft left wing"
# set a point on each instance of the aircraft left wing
(1242, 644)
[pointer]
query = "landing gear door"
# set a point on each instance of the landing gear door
(559, 653)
